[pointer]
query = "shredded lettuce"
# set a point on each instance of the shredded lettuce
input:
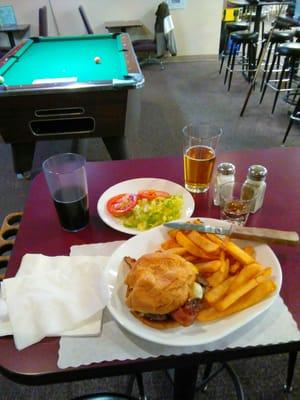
(150, 213)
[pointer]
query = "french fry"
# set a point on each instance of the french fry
(181, 251)
(185, 242)
(191, 258)
(249, 250)
(169, 244)
(203, 242)
(234, 267)
(237, 253)
(234, 295)
(216, 293)
(246, 273)
(219, 276)
(264, 274)
(214, 238)
(209, 266)
(259, 293)
(233, 279)
(172, 233)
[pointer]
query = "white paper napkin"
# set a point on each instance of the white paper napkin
(53, 295)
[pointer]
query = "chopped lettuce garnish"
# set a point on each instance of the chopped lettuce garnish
(150, 213)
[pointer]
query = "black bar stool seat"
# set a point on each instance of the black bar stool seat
(279, 36)
(244, 36)
(236, 26)
(285, 22)
(289, 49)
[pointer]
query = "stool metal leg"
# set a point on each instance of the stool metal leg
(285, 64)
(232, 68)
(207, 371)
(293, 116)
(288, 130)
(229, 61)
(290, 372)
(266, 66)
(268, 78)
(223, 54)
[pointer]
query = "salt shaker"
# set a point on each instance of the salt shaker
(256, 179)
(225, 174)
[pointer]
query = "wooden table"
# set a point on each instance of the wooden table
(40, 233)
(10, 31)
(123, 26)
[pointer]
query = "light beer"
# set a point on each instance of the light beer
(199, 163)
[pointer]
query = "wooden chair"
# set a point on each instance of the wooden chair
(8, 232)
(43, 23)
(85, 20)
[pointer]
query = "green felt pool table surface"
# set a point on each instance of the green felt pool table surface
(67, 57)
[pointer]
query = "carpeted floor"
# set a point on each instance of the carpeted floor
(182, 93)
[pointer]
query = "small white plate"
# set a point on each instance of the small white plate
(135, 185)
(199, 333)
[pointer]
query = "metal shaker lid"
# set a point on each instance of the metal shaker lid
(226, 168)
(257, 172)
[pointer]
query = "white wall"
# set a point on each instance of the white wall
(197, 27)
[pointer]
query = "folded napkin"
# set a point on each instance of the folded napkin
(53, 296)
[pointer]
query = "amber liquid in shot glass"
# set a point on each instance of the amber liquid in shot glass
(199, 163)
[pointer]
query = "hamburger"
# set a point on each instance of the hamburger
(162, 291)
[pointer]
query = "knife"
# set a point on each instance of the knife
(241, 232)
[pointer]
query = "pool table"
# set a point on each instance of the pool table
(56, 88)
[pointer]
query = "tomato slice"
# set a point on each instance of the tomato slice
(151, 194)
(122, 204)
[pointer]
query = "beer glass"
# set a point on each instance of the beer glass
(200, 143)
(66, 178)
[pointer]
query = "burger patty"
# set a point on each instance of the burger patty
(184, 315)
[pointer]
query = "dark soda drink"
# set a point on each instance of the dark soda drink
(73, 214)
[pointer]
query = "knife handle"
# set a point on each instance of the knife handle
(265, 235)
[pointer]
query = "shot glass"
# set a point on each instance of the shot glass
(66, 178)
(199, 153)
(236, 199)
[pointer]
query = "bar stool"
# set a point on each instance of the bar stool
(295, 116)
(230, 28)
(248, 41)
(291, 52)
(277, 38)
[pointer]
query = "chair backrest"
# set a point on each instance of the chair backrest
(43, 23)
(85, 20)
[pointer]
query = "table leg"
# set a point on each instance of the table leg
(23, 157)
(11, 39)
(185, 382)
(117, 147)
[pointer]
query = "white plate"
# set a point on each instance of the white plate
(135, 185)
(198, 333)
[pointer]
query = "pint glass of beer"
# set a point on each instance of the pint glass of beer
(200, 142)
